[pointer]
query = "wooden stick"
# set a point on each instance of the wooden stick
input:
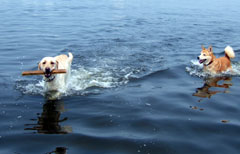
(40, 72)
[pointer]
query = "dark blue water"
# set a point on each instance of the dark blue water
(135, 87)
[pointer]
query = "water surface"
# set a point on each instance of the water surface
(136, 86)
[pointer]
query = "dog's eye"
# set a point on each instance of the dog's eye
(204, 54)
(52, 63)
(44, 63)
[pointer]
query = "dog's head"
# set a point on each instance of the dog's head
(48, 64)
(206, 55)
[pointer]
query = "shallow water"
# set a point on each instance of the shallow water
(136, 86)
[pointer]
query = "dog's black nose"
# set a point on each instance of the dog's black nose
(198, 58)
(47, 70)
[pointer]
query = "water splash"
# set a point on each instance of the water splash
(83, 80)
(31, 87)
(196, 69)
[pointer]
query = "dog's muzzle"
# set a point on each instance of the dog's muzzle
(47, 73)
(201, 60)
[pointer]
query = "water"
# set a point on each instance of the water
(136, 86)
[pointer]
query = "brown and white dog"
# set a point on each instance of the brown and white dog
(216, 65)
(56, 82)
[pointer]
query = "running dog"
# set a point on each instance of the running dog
(56, 82)
(216, 65)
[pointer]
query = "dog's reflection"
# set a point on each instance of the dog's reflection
(49, 121)
(213, 82)
(59, 150)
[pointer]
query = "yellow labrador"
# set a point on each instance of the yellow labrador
(56, 82)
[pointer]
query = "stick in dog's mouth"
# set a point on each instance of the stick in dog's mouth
(41, 72)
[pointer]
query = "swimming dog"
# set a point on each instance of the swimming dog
(56, 82)
(216, 65)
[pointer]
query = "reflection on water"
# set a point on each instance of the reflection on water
(207, 90)
(49, 121)
(59, 150)
(53, 95)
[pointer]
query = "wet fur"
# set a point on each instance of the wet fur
(216, 65)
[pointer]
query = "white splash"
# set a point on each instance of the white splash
(82, 79)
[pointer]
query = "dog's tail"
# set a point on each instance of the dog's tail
(229, 52)
(70, 56)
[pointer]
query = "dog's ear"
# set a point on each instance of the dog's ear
(210, 48)
(203, 48)
(39, 66)
(57, 63)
